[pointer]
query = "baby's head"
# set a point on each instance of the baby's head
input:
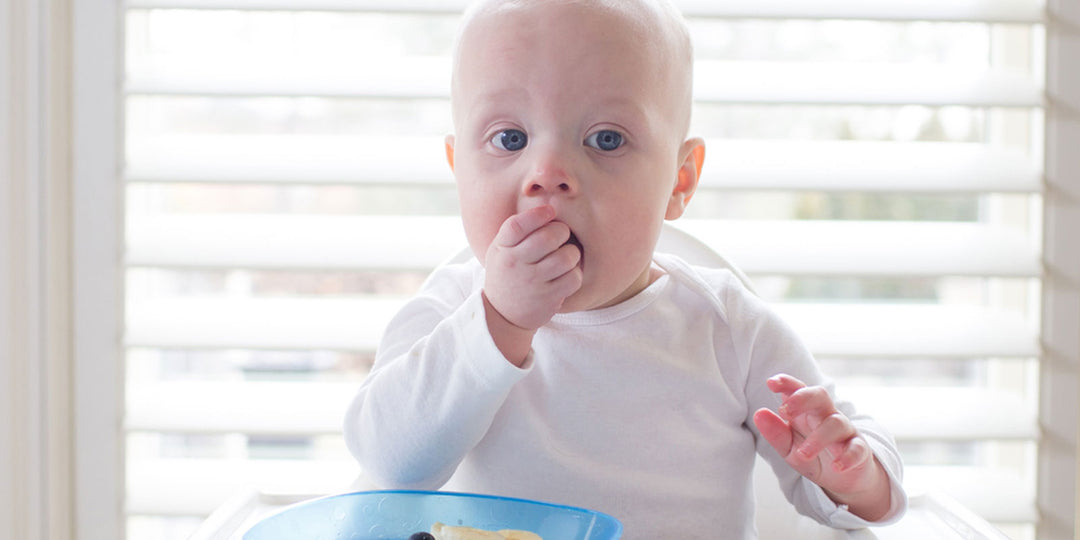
(583, 105)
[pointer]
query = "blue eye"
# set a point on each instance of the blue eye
(605, 140)
(511, 140)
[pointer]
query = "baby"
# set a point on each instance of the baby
(570, 363)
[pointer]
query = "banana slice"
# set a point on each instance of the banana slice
(512, 534)
(447, 532)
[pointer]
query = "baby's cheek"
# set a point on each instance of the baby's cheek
(480, 245)
(480, 231)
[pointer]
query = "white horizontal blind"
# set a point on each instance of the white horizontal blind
(875, 166)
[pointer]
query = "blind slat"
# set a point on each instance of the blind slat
(313, 409)
(990, 11)
(196, 487)
(848, 330)
(262, 408)
(907, 167)
(841, 248)
(911, 331)
(995, 11)
(980, 413)
(276, 324)
(716, 82)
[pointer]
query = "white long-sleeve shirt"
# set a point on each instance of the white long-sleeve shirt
(642, 410)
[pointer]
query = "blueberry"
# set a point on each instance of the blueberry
(421, 536)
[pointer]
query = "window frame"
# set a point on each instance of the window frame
(97, 273)
(62, 472)
(1059, 412)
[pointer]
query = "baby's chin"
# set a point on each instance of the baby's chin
(595, 293)
(574, 305)
(589, 299)
(584, 299)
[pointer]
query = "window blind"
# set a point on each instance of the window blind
(876, 167)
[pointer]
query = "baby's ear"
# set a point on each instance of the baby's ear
(691, 160)
(450, 151)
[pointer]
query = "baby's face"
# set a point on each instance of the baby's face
(569, 106)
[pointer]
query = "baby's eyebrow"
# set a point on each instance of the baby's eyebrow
(483, 103)
(632, 106)
(630, 110)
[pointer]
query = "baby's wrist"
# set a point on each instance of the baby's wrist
(873, 501)
(513, 341)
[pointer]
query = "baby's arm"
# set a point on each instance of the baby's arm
(442, 373)
(770, 346)
(530, 271)
(436, 385)
(822, 444)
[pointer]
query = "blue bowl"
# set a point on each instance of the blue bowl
(370, 515)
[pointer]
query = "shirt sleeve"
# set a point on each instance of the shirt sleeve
(769, 346)
(433, 391)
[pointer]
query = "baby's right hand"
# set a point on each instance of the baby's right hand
(530, 269)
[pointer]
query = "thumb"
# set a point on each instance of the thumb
(775, 430)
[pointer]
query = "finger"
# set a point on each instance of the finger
(519, 226)
(566, 284)
(832, 430)
(559, 262)
(852, 455)
(812, 401)
(543, 241)
(775, 430)
(785, 384)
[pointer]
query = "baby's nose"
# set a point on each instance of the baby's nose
(550, 178)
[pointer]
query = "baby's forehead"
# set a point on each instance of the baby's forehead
(656, 21)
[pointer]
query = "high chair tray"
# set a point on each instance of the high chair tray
(929, 516)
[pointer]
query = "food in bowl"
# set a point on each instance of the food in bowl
(447, 532)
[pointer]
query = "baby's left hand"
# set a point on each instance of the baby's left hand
(822, 444)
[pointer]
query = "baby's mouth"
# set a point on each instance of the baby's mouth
(573, 241)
